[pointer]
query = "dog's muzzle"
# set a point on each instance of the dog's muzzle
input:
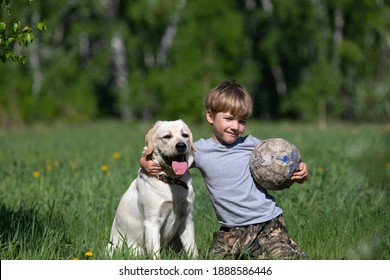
(181, 147)
(178, 163)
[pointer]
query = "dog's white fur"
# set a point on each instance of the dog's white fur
(152, 213)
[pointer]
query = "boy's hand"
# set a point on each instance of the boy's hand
(150, 166)
(302, 174)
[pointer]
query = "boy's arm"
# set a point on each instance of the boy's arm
(302, 175)
(149, 165)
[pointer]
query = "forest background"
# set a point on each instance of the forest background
(64, 166)
(306, 60)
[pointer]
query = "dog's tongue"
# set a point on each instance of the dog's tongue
(179, 165)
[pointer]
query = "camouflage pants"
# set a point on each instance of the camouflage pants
(268, 240)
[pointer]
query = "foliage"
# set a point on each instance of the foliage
(60, 187)
(12, 32)
(372, 101)
(139, 59)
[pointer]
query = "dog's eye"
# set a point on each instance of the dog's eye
(185, 135)
(167, 137)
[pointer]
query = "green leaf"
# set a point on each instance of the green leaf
(3, 26)
(15, 27)
(26, 28)
(28, 38)
(41, 26)
(5, 3)
(4, 43)
(21, 59)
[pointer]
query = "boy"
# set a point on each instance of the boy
(252, 224)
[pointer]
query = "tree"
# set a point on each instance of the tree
(12, 31)
(307, 59)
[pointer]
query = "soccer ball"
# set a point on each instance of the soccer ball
(272, 163)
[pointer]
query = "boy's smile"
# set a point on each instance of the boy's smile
(226, 127)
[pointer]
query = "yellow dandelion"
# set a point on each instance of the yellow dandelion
(75, 259)
(116, 155)
(88, 254)
(49, 166)
(104, 168)
(36, 174)
(387, 164)
(73, 166)
(320, 170)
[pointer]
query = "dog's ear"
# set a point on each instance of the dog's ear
(192, 142)
(149, 139)
(191, 155)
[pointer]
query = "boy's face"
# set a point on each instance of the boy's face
(226, 128)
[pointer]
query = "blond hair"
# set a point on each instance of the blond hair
(230, 97)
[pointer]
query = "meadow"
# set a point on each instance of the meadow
(60, 186)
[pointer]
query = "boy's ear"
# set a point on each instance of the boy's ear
(149, 139)
(210, 117)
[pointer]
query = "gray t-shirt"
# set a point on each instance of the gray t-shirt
(225, 169)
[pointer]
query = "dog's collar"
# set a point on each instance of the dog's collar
(173, 181)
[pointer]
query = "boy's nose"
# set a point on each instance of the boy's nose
(234, 125)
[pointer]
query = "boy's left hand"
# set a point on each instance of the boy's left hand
(302, 174)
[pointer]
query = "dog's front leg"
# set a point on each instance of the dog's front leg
(187, 238)
(152, 238)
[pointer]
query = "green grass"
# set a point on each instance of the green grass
(67, 208)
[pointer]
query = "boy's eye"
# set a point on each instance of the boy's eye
(243, 122)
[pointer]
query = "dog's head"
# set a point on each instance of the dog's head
(170, 142)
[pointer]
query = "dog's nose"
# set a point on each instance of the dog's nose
(181, 147)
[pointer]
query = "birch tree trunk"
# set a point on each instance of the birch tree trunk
(119, 59)
(35, 62)
(276, 69)
(121, 76)
(169, 34)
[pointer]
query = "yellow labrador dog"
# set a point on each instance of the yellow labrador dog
(156, 210)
